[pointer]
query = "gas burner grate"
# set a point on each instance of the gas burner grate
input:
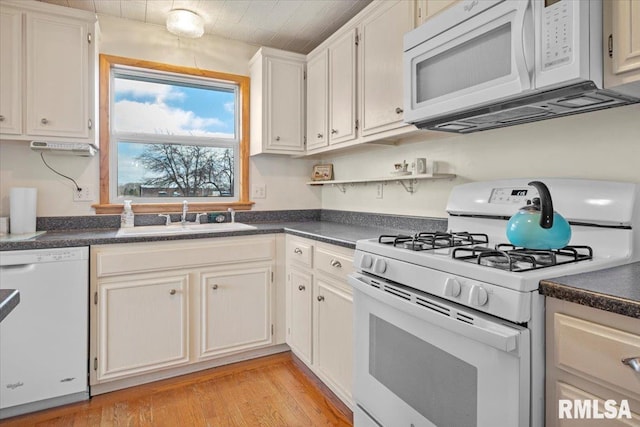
(433, 240)
(508, 257)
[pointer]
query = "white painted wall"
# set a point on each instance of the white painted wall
(21, 167)
(599, 145)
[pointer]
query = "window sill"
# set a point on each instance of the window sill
(172, 207)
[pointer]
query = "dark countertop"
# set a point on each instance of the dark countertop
(329, 232)
(614, 289)
(9, 299)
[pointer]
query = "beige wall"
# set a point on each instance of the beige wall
(599, 145)
(21, 167)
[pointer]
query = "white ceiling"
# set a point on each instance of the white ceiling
(293, 25)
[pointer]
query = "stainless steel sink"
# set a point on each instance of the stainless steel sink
(150, 230)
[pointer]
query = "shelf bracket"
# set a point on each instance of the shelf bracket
(341, 187)
(408, 185)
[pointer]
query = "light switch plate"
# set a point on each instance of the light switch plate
(379, 188)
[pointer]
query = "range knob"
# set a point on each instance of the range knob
(379, 266)
(478, 296)
(451, 287)
(366, 261)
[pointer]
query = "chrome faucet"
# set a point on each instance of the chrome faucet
(233, 214)
(185, 209)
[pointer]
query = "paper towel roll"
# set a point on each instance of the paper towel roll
(22, 210)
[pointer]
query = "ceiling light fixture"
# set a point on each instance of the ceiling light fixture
(185, 23)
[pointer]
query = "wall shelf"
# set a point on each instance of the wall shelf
(407, 181)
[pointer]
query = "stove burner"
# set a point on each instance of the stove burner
(509, 257)
(433, 240)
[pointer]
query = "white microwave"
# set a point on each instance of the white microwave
(483, 64)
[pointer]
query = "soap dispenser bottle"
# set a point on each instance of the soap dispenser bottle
(126, 217)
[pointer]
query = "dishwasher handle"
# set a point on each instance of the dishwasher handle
(17, 268)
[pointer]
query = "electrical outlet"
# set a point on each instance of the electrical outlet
(259, 191)
(84, 195)
(379, 188)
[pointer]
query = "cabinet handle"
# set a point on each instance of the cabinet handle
(632, 362)
(1, 118)
(277, 138)
(44, 121)
(320, 298)
(297, 251)
(335, 263)
(334, 131)
(319, 136)
(399, 110)
(301, 288)
(172, 292)
(214, 287)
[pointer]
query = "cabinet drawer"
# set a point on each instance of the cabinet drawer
(300, 251)
(334, 263)
(595, 352)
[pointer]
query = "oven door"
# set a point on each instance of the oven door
(423, 361)
(485, 58)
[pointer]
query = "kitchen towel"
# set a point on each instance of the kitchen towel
(22, 210)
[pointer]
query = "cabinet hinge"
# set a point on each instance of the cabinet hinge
(304, 75)
(95, 363)
(610, 45)
(357, 39)
(272, 277)
(357, 124)
(89, 37)
(420, 12)
(95, 298)
(90, 124)
(272, 329)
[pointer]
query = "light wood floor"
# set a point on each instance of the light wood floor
(271, 391)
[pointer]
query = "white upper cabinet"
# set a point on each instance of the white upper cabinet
(622, 46)
(11, 71)
(53, 96)
(342, 89)
(425, 9)
(277, 102)
(317, 100)
(380, 66)
(363, 98)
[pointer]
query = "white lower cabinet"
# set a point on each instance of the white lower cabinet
(333, 335)
(320, 311)
(235, 311)
(161, 309)
(591, 378)
(143, 324)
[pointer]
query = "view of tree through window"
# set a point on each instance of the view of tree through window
(176, 136)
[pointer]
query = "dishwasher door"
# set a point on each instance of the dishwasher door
(44, 341)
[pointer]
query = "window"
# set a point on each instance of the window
(172, 133)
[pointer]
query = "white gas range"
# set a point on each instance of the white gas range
(449, 328)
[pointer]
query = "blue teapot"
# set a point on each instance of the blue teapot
(537, 226)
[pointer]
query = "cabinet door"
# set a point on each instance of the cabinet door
(380, 66)
(235, 311)
(285, 105)
(142, 324)
(626, 36)
(342, 89)
(57, 77)
(317, 97)
(333, 336)
(299, 321)
(10, 71)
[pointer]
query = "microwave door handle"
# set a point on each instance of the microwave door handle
(524, 55)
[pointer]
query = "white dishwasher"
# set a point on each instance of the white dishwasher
(44, 340)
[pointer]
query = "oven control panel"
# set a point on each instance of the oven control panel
(513, 195)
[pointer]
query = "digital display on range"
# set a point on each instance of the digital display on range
(548, 3)
(519, 192)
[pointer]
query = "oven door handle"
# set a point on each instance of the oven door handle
(492, 333)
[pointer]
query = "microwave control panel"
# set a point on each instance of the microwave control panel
(557, 33)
